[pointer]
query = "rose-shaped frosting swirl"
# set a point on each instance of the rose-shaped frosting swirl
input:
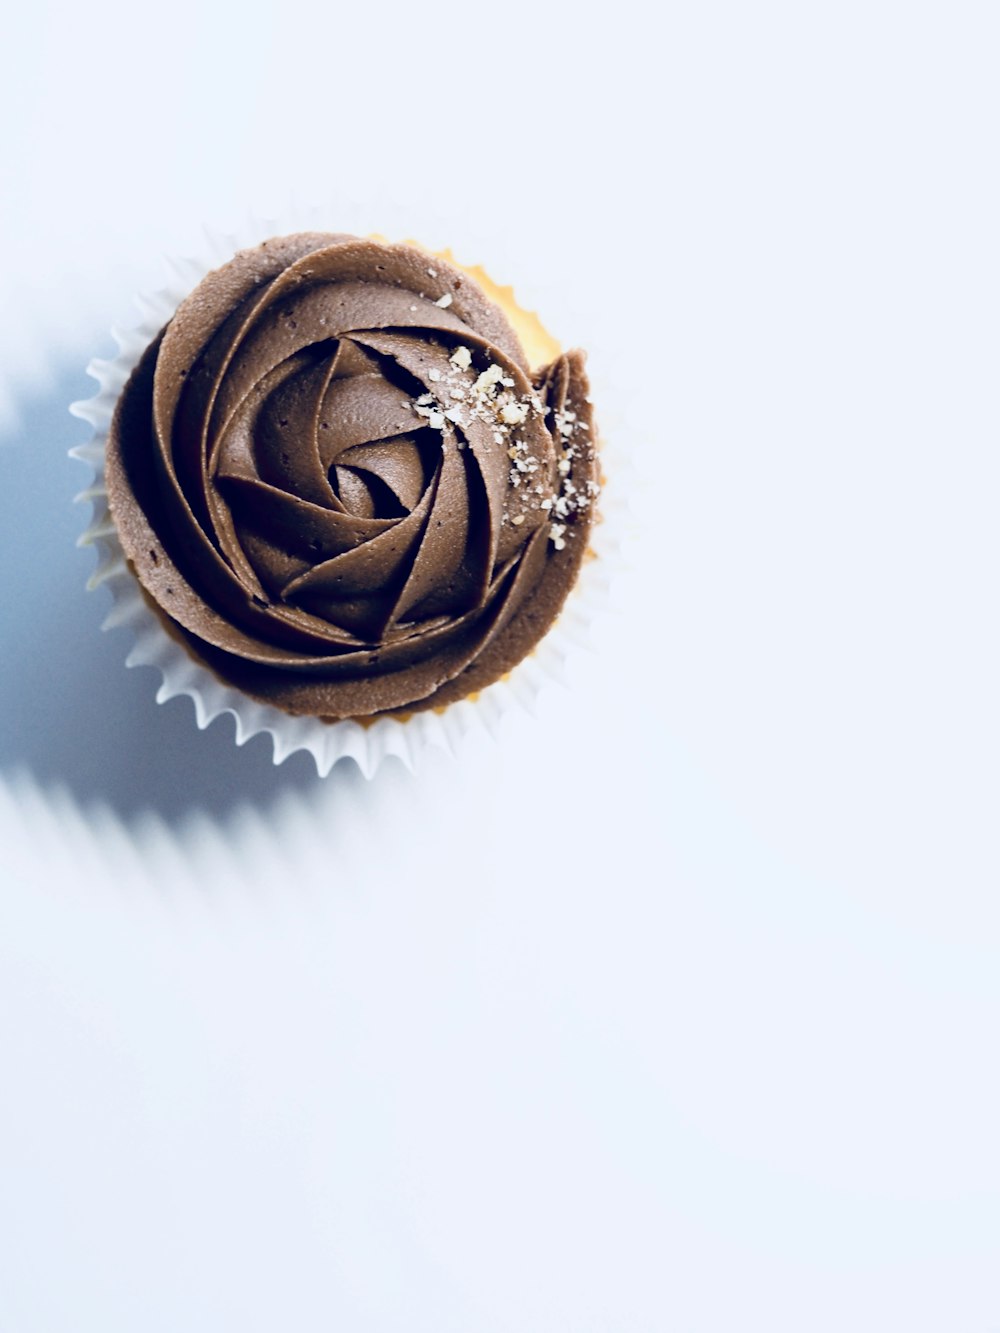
(335, 476)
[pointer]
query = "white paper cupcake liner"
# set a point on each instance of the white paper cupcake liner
(328, 743)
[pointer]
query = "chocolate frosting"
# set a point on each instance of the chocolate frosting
(335, 476)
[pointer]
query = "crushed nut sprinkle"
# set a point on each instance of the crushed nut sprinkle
(512, 414)
(491, 399)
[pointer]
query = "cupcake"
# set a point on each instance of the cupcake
(341, 486)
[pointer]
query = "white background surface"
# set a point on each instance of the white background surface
(677, 1008)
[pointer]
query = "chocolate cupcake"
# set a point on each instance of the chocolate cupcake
(341, 486)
